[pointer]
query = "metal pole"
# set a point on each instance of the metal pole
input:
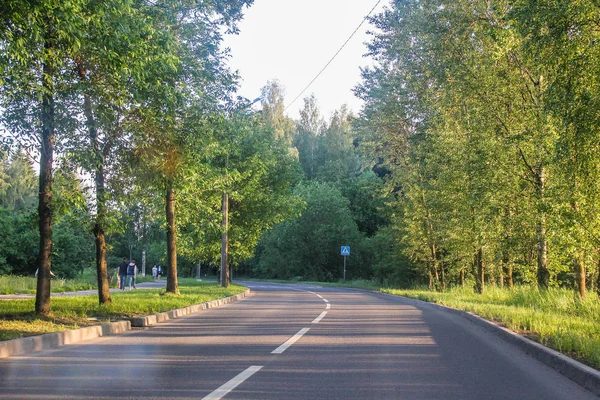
(344, 268)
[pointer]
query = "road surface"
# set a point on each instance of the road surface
(292, 342)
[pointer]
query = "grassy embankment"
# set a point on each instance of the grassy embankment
(17, 318)
(557, 318)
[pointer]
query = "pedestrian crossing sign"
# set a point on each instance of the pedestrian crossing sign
(345, 250)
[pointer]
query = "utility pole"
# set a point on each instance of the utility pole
(225, 276)
(225, 242)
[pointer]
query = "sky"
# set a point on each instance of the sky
(292, 40)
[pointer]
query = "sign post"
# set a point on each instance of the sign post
(345, 252)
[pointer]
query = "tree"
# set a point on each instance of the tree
(560, 36)
(308, 133)
(272, 98)
(186, 93)
(310, 244)
(37, 40)
(256, 171)
(449, 72)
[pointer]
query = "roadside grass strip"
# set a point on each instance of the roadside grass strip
(11, 284)
(556, 318)
(17, 318)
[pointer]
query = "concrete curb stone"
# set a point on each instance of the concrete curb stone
(57, 339)
(54, 340)
(578, 372)
(180, 312)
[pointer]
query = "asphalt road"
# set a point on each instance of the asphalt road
(292, 342)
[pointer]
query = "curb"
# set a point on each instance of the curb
(54, 340)
(57, 339)
(578, 372)
(141, 322)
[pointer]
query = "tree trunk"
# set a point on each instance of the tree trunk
(171, 240)
(479, 271)
(579, 268)
(98, 163)
(462, 277)
(430, 277)
(101, 267)
(44, 260)
(435, 272)
(543, 275)
(225, 277)
(507, 270)
(598, 276)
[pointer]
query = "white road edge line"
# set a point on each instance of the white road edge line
(320, 317)
(328, 306)
(290, 341)
(233, 383)
(326, 301)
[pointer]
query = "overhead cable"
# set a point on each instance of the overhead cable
(334, 56)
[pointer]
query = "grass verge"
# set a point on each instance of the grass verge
(18, 320)
(13, 284)
(555, 318)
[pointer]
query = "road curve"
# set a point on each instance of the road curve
(293, 342)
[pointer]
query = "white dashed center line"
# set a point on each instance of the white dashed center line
(290, 341)
(320, 317)
(233, 383)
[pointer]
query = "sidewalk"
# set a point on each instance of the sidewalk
(144, 285)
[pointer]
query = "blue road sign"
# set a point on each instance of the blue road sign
(345, 250)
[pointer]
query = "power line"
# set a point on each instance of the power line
(334, 56)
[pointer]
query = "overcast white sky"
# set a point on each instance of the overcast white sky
(292, 40)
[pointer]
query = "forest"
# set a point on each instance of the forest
(473, 161)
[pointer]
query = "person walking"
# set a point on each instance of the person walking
(123, 273)
(159, 272)
(131, 272)
(154, 272)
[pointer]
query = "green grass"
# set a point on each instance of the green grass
(12, 284)
(18, 320)
(556, 317)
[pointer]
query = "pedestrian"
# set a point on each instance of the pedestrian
(154, 272)
(38, 270)
(131, 272)
(123, 273)
(159, 272)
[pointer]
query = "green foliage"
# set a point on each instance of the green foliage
(391, 267)
(19, 242)
(256, 170)
(309, 246)
(484, 114)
